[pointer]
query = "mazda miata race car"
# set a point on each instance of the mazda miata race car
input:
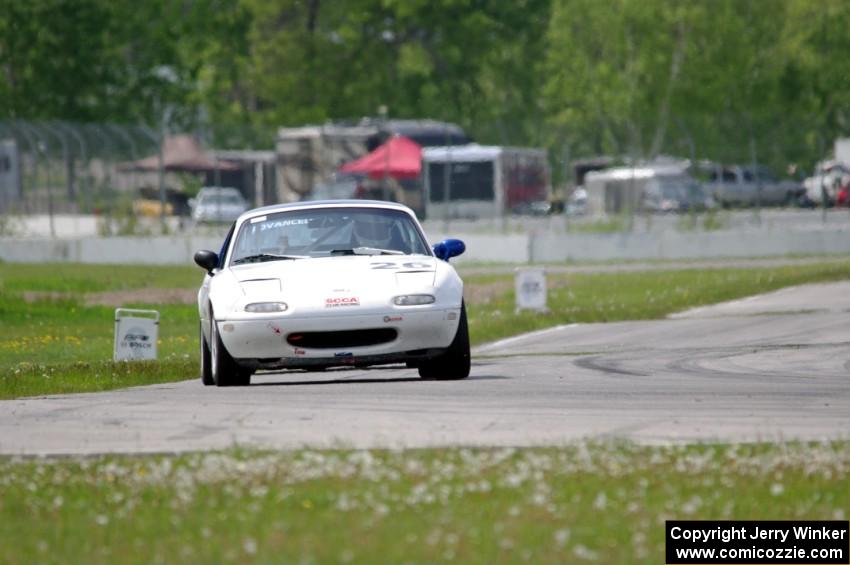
(313, 285)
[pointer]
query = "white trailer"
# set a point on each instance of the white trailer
(655, 188)
(480, 181)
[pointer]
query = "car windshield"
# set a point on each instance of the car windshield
(326, 232)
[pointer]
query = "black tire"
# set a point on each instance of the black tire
(206, 373)
(454, 363)
(223, 369)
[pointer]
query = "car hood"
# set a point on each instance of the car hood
(376, 273)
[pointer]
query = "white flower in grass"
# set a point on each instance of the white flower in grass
(344, 503)
(601, 501)
(249, 545)
(561, 537)
(381, 509)
(101, 519)
(692, 505)
(776, 489)
(585, 553)
(539, 498)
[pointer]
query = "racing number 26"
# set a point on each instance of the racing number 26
(411, 265)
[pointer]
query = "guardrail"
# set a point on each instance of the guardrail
(516, 249)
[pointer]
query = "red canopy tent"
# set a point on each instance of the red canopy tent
(399, 158)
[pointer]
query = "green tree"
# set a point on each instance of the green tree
(51, 58)
(473, 62)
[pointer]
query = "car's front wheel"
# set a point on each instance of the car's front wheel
(454, 363)
(223, 369)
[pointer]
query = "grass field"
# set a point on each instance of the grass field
(52, 342)
(584, 503)
(56, 331)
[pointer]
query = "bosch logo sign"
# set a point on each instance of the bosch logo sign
(342, 301)
(135, 334)
(136, 340)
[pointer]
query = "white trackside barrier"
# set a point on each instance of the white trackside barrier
(136, 333)
(530, 287)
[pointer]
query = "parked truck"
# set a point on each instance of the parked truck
(737, 185)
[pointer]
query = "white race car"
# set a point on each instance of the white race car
(319, 284)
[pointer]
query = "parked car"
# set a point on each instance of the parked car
(679, 193)
(577, 202)
(738, 185)
(312, 285)
(825, 184)
(218, 204)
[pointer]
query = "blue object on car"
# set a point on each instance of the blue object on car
(449, 248)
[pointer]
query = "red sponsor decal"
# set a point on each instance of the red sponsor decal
(299, 351)
(393, 319)
(342, 301)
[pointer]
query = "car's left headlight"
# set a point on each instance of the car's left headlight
(266, 307)
(413, 299)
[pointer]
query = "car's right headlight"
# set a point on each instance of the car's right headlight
(413, 299)
(266, 307)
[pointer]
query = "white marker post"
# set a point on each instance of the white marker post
(136, 333)
(530, 289)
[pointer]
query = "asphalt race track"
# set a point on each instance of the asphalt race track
(774, 367)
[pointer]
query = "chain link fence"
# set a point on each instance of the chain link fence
(134, 179)
(128, 177)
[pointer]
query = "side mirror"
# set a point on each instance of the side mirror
(449, 248)
(207, 260)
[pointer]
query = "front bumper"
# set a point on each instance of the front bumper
(262, 342)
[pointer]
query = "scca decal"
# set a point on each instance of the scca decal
(342, 301)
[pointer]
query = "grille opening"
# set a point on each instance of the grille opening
(341, 339)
